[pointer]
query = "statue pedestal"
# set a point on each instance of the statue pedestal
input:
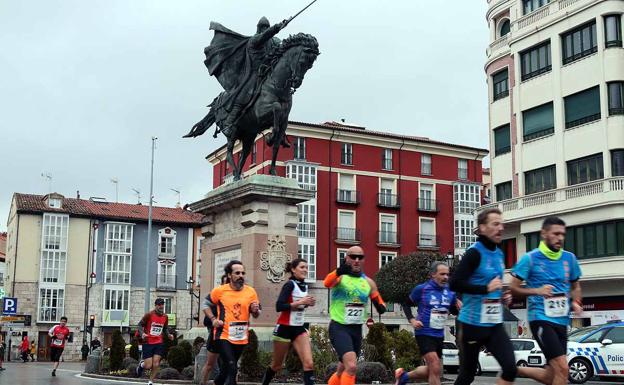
(253, 220)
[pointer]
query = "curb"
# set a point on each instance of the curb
(145, 380)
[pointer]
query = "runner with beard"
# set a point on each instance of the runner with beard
(350, 291)
(211, 346)
(291, 327)
(478, 279)
(553, 289)
(152, 327)
(235, 302)
(435, 301)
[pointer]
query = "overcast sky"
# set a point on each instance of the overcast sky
(86, 84)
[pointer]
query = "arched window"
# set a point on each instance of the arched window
(505, 28)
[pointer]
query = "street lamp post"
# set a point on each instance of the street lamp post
(189, 284)
(149, 231)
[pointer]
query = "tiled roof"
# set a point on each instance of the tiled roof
(30, 203)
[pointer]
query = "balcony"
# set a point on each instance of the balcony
(548, 13)
(347, 235)
(499, 46)
(166, 282)
(167, 252)
(428, 205)
(428, 242)
(603, 192)
(388, 200)
(351, 197)
(388, 239)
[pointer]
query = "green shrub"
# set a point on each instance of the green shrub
(380, 339)
(134, 350)
(188, 373)
(405, 350)
(180, 356)
(117, 353)
(169, 343)
(322, 352)
(128, 361)
(132, 370)
(264, 358)
(168, 374)
(367, 372)
(250, 360)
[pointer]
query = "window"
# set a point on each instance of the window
(387, 229)
(346, 189)
(533, 240)
(346, 225)
(502, 140)
(118, 238)
(596, 240)
(616, 98)
(541, 179)
(617, 163)
(254, 153)
(54, 203)
(427, 235)
(585, 169)
(55, 232)
(304, 174)
(579, 42)
(385, 258)
(168, 305)
(166, 245)
(342, 255)
(386, 159)
(166, 275)
(53, 266)
(582, 107)
(425, 194)
(51, 304)
(308, 252)
(532, 5)
(466, 198)
(116, 299)
(505, 28)
(535, 61)
(462, 169)
(299, 148)
(538, 121)
(503, 191)
(387, 197)
(616, 335)
(346, 154)
(117, 269)
(500, 82)
(464, 236)
(306, 225)
(425, 164)
(613, 31)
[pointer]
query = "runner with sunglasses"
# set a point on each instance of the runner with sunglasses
(350, 291)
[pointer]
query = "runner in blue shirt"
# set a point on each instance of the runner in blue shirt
(552, 278)
(434, 300)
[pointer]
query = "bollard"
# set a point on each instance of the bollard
(93, 361)
(200, 360)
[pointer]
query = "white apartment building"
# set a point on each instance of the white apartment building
(555, 73)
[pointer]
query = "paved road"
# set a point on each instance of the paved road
(36, 373)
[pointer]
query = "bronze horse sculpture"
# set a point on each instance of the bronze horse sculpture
(269, 97)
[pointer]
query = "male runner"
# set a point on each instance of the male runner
(152, 327)
(235, 302)
(211, 345)
(552, 277)
(350, 290)
(58, 335)
(478, 278)
(434, 301)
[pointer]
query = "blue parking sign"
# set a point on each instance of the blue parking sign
(9, 306)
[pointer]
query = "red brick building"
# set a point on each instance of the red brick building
(391, 194)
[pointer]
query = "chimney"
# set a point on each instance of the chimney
(77, 194)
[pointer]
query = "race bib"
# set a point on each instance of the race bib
(237, 331)
(437, 319)
(57, 342)
(156, 329)
(556, 306)
(354, 312)
(297, 317)
(491, 311)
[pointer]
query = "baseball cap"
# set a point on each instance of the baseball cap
(159, 301)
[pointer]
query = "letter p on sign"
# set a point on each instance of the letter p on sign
(10, 306)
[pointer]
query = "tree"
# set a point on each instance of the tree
(397, 278)
(250, 359)
(117, 352)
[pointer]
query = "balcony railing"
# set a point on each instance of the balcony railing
(552, 9)
(348, 196)
(595, 192)
(347, 235)
(388, 237)
(168, 253)
(428, 205)
(388, 200)
(428, 241)
(166, 281)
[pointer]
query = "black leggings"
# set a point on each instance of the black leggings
(494, 338)
(228, 362)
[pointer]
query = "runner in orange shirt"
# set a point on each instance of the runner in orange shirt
(235, 302)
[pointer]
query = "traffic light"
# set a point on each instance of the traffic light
(91, 323)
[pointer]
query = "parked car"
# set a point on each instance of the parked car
(596, 350)
(527, 352)
(450, 357)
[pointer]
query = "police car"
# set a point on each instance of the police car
(596, 351)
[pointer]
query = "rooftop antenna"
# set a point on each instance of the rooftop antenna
(116, 182)
(177, 192)
(138, 194)
(48, 176)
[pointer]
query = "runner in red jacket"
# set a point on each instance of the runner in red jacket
(58, 335)
(152, 327)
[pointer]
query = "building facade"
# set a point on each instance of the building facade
(390, 194)
(78, 258)
(3, 237)
(555, 72)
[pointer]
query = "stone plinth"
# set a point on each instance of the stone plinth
(255, 221)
